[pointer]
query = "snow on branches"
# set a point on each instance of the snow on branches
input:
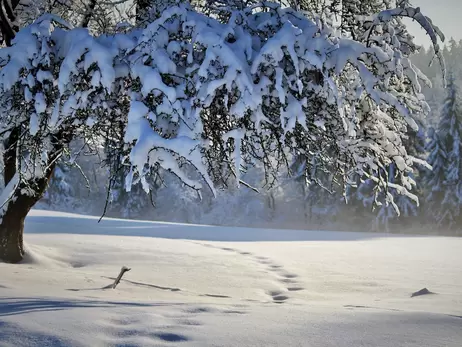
(259, 84)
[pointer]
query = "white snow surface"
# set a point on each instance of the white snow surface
(196, 285)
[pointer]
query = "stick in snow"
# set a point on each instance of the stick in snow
(123, 270)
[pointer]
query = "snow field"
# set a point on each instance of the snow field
(339, 289)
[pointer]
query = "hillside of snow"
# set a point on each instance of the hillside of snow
(192, 285)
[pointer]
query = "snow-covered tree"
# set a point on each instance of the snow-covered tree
(445, 181)
(62, 192)
(434, 179)
(261, 84)
(357, 21)
(97, 15)
(436, 93)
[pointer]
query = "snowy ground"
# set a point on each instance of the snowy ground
(213, 286)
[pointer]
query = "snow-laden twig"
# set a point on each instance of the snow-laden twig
(123, 270)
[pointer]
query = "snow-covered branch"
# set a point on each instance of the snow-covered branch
(264, 84)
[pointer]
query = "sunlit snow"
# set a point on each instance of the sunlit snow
(196, 285)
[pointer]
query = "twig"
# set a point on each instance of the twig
(123, 270)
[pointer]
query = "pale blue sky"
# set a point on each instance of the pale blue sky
(446, 14)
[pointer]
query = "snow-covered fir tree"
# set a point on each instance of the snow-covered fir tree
(436, 93)
(61, 192)
(444, 183)
(434, 179)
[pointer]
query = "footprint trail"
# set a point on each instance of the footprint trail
(287, 280)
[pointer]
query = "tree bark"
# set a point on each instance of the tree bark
(7, 18)
(142, 7)
(24, 197)
(12, 223)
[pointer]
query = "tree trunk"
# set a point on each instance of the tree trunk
(11, 230)
(12, 223)
(19, 204)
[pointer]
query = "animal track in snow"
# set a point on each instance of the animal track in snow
(170, 337)
(277, 296)
(160, 327)
(295, 289)
(77, 265)
(275, 267)
(279, 299)
(146, 330)
(188, 322)
(289, 275)
(287, 279)
(199, 309)
(228, 249)
(216, 296)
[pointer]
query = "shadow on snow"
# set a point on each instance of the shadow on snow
(18, 306)
(16, 335)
